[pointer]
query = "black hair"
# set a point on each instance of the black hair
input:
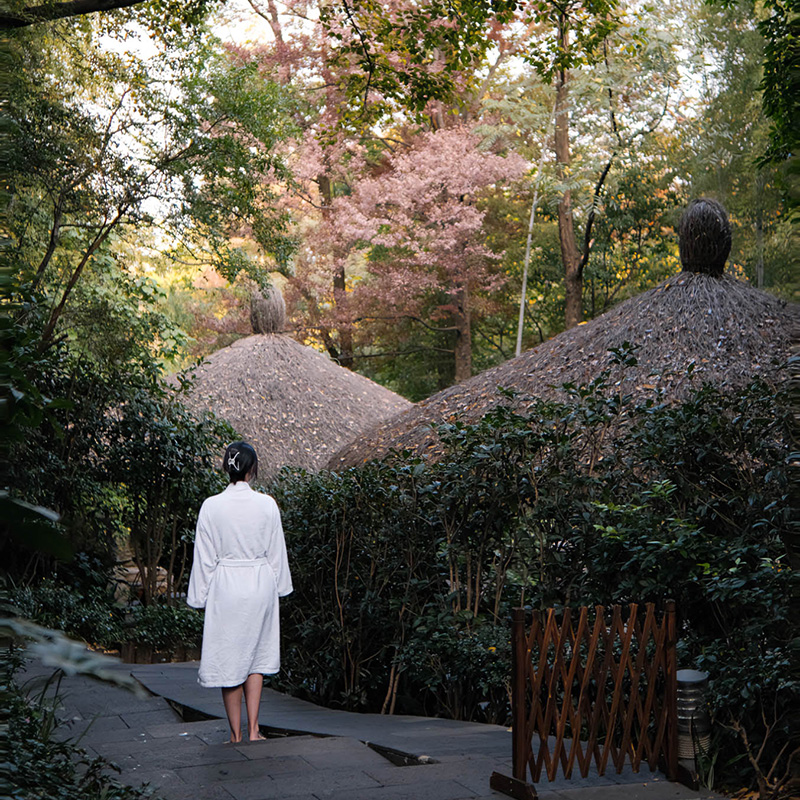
(239, 460)
(704, 237)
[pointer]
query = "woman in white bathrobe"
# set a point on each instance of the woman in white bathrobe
(239, 571)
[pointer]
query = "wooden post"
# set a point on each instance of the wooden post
(518, 716)
(516, 786)
(671, 691)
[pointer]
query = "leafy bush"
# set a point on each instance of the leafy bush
(91, 616)
(464, 671)
(89, 612)
(163, 627)
(117, 456)
(409, 567)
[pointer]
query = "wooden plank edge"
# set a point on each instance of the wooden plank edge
(520, 790)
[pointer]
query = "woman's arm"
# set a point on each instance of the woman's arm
(276, 554)
(203, 563)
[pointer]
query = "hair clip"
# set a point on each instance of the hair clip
(233, 462)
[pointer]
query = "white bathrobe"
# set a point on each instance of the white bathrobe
(240, 569)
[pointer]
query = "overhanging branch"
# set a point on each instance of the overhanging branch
(52, 11)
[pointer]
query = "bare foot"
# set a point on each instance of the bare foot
(259, 737)
(235, 741)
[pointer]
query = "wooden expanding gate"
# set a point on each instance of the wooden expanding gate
(592, 691)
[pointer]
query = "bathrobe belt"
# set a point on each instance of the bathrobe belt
(242, 562)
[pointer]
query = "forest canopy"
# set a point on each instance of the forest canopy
(202, 149)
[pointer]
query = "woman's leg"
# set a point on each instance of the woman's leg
(232, 698)
(252, 700)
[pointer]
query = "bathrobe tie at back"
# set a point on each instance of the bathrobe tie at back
(240, 569)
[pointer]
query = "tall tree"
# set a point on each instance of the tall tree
(341, 146)
(779, 25)
(300, 59)
(577, 32)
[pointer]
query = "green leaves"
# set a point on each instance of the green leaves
(236, 118)
(406, 55)
(575, 34)
(780, 84)
(162, 626)
(38, 763)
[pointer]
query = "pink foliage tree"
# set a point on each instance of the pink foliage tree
(420, 226)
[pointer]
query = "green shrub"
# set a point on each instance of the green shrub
(164, 627)
(90, 615)
(465, 672)
(408, 566)
(118, 456)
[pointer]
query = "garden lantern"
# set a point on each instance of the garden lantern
(694, 726)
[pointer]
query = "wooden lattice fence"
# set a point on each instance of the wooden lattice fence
(592, 691)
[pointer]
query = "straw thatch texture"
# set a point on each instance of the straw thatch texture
(295, 405)
(727, 329)
(267, 311)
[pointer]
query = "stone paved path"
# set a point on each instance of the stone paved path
(331, 755)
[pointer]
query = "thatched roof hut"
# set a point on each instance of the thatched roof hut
(295, 405)
(727, 329)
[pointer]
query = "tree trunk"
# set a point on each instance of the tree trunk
(55, 232)
(570, 256)
(55, 314)
(345, 350)
(345, 334)
(759, 231)
(463, 348)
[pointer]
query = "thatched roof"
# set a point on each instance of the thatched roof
(295, 405)
(729, 330)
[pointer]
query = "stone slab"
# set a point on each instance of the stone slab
(415, 735)
(389, 775)
(162, 779)
(167, 787)
(441, 790)
(99, 724)
(299, 745)
(652, 790)
(144, 719)
(543, 794)
(212, 731)
(147, 745)
(359, 756)
(243, 770)
(174, 759)
(314, 782)
(92, 737)
(186, 760)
